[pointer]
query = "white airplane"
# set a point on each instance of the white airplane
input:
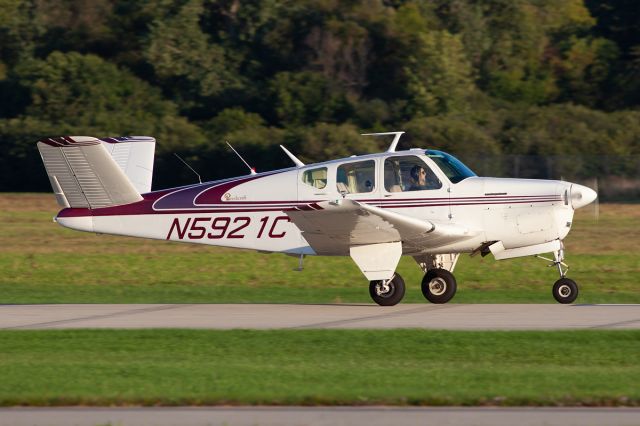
(373, 208)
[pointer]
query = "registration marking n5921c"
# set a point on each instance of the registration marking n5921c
(214, 228)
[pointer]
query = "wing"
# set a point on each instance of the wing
(335, 227)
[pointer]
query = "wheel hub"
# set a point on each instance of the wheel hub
(384, 288)
(564, 290)
(437, 286)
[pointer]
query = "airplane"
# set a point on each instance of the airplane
(375, 208)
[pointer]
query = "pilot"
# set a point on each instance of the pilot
(418, 178)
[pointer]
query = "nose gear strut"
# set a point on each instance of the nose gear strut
(558, 260)
(564, 290)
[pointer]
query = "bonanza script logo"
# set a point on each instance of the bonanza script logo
(229, 197)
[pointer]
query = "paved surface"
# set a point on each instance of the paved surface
(271, 416)
(263, 316)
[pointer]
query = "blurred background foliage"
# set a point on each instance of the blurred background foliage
(478, 78)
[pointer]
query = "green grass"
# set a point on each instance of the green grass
(405, 367)
(42, 262)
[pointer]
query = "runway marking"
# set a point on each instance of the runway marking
(91, 317)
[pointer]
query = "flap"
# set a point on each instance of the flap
(337, 226)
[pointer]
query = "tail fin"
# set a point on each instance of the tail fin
(92, 173)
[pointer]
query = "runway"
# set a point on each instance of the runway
(320, 416)
(331, 316)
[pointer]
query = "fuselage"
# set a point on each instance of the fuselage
(250, 212)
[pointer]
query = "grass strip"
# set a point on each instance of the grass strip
(319, 367)
(41, 262)
(226, 276)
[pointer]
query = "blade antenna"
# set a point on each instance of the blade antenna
(394, 143)
(251, 169)
(293, 157)
(190, 168)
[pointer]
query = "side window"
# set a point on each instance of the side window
(408, 174)
(356, 177)
(315, 177)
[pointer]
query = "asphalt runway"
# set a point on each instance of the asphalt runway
(320, 416)
(330, 316)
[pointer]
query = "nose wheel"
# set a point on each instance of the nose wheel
(387, 292)
(565, 290)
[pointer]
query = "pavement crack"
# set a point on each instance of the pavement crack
(93, 317)
(615, 324)
(326, 324)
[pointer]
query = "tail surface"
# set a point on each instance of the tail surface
(88, 172)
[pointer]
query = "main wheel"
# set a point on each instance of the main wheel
(439, 286)
(565, 290)
(387, 293)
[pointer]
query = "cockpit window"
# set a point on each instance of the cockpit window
(408, 173)
(453, 168)
(356, 177)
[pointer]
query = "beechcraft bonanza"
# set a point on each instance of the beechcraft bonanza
(373, 208)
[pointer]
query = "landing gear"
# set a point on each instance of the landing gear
(387, 292)
(439, 286)
(564, 290)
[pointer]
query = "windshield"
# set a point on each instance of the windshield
(455, 170)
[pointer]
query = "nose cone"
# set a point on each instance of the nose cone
(581, 196)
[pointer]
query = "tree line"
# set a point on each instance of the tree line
(481, 77)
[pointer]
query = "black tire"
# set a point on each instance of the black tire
(392, 296)
(439, 286)
(565, 291)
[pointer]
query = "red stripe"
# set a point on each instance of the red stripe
(470, 203)
(123, 211)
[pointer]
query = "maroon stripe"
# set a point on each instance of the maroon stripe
(245, 203)
(470, 204)
(215, 194)
(140, 209)
(76, 212)
(61, 141)
(461, 198)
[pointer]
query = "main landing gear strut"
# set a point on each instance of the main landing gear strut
(439, 285)
(565, 290)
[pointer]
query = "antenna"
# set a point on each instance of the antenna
(251, 169)
(190, 168)
(293, 157)
(394, 143)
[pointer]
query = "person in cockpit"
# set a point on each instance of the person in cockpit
(418, 178)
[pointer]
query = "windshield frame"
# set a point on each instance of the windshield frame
(455, 170)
